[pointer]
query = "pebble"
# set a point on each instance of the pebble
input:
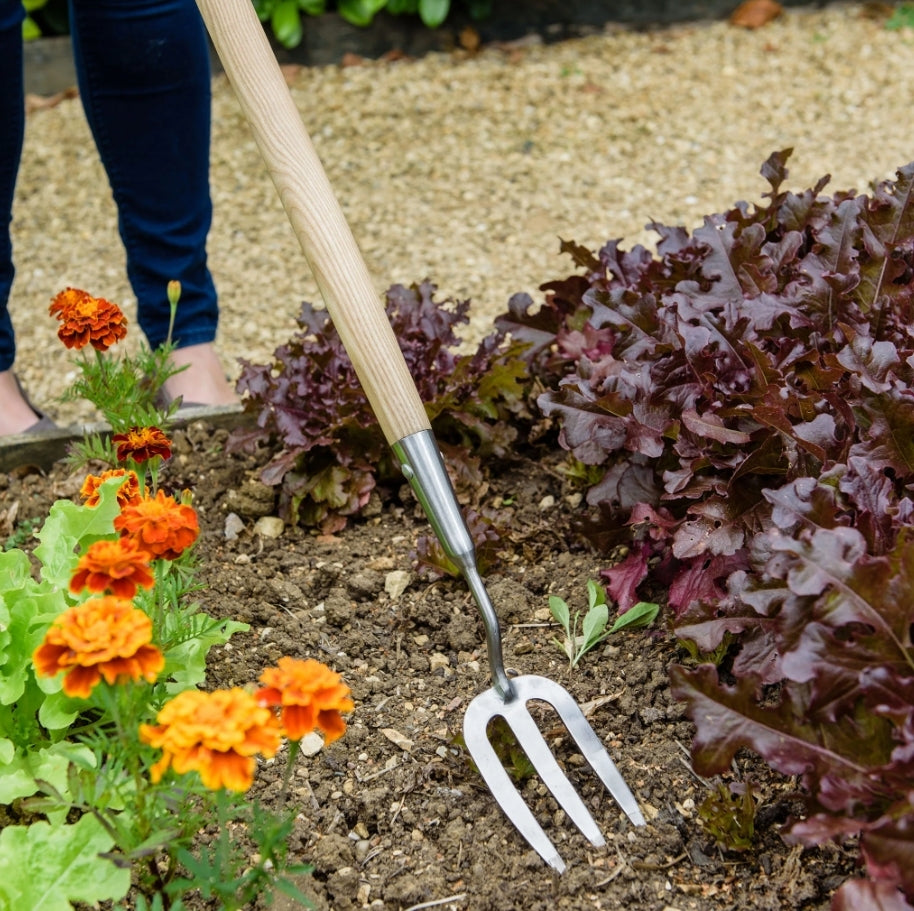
(396, 582)
(269, 527)
(233, 526)
(311, 744)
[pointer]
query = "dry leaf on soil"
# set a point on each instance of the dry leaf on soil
(755, 13)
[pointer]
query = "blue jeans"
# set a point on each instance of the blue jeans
(144, 80)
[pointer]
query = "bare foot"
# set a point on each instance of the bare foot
(16, 415)
(203, 382)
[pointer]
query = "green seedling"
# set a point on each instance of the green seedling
(583, 634)
(23, 532)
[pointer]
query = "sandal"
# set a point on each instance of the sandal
(163, 400)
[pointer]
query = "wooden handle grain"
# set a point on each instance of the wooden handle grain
(315, 214)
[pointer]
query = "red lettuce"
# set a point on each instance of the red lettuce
(329, 453)
(749, 394)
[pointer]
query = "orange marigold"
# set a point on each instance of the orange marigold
(118, 567)
(217, 734)
(86, 320)
(310, 696)
(103, 637)
(141, 444)
(129, 491)
(160, 525)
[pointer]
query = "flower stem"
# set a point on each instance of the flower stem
(294, 750)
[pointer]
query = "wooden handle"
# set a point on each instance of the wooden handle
(316, 216)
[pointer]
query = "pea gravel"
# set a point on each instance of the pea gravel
(468, 169)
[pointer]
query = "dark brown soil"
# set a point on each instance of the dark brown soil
(393, 816)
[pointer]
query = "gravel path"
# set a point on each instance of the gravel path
(467, 170)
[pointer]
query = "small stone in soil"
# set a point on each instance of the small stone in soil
(311, 744)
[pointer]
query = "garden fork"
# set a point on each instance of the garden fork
(359, 317)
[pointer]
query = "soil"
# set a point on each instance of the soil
(393, 816)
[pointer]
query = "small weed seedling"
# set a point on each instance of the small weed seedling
(593, 625)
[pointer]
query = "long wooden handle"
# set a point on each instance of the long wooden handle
(316, 216)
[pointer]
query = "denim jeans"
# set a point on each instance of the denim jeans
(143, 73)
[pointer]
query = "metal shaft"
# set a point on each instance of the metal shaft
(422, 465)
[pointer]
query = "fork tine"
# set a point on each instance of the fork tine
(543, 760)
(533, 687)
(475, 720)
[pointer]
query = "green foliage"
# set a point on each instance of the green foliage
(235, 874)
(638, 616)
(583, 634)
(45, 867)
(30, 28)
(728, 815)
(124, 389)
(286, 16)
(580, 474)
(902, 17)
(715, 656)
(23, 531)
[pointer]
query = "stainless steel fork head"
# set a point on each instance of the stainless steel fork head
(490, 704)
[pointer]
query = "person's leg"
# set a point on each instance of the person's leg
(15, 413)
(144, 79)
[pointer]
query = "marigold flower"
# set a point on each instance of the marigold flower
(217, 734)
(141, 444)
(310, 696)
(118, 567)
(159, 525)
(103, 637)
(129, 491)
(87, 320)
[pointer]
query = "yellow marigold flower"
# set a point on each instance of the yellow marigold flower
(103, 637)
(310, 696)
(129, 491)
(118, 567)
(87, 320)
(159, 525)
(217, 734)
(141, 444)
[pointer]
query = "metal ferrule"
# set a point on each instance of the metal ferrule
(422, 465)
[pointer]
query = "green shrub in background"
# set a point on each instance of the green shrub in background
(285, 16)
(30, 28)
